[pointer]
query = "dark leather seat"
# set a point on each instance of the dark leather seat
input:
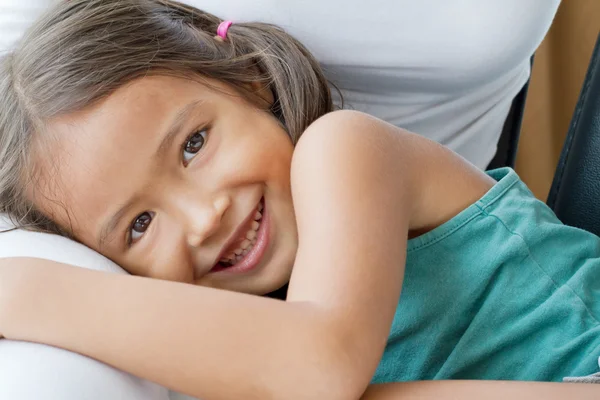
(575, 192)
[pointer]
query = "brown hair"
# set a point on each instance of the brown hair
(83, 50)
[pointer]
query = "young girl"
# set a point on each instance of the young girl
(169, 141)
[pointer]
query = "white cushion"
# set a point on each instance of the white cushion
(16, 16)
(31, 371)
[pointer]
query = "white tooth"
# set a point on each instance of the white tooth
(245, 244)
(257, 216)
(251, 235)
(231, 256)
(238, 251)
(245, 252)
(253, 242)
(260, 206)
(255, 225)
(238, 258)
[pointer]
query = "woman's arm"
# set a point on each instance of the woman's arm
(359, 184)
(476, 390)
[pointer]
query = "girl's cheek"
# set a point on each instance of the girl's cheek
(164, 257)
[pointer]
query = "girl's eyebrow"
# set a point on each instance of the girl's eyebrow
(107, 229)
(176, 126)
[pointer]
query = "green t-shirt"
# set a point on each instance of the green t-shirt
(502, 291)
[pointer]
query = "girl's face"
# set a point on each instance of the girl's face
(177, 181)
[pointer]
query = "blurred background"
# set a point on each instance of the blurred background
(558, 71)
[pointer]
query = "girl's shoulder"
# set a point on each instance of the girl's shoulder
(440, 182)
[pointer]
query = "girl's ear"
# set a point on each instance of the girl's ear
(261, 93)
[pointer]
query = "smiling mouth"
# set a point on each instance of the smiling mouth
(245, 253)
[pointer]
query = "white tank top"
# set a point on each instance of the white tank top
(448, 70)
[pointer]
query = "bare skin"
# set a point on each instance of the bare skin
(476, 390)
(359, 186)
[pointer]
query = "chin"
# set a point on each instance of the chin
(265, 283)
(270, 278)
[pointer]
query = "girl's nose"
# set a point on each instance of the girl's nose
(204, 220)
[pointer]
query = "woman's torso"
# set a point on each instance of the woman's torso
(445, 69)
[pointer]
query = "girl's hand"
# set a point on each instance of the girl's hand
(489, 390)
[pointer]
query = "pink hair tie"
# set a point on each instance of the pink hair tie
(222, 29)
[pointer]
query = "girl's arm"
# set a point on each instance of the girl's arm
(476, 390)
(358, 186)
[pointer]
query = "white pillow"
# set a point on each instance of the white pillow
(16, 16)
(31, 371)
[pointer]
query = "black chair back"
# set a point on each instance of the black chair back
(575, 192)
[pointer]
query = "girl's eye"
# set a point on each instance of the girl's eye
(193, 145)
(140, 226)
